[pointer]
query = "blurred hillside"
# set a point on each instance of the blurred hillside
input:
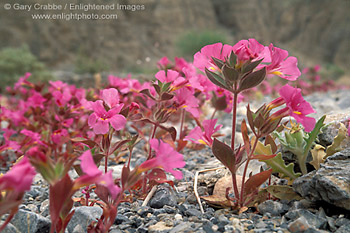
(316, 31)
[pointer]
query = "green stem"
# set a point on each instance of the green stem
(302, 164)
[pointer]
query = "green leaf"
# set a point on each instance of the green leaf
(252, 79)
(225, 154)
(251, 66)
(216, 79)
(230, 73)
(335, 147)
(277, 164)
(232, 59)
(283, 192)
(217, 62)
(313, 134)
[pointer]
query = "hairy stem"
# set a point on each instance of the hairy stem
(152, 136)
(183, 113)
(246, 168)
(234, 117)
(212, 116)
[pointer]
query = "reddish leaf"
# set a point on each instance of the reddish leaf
(181, 144)
(117, 145)
(225, 154)
(252, 79)
(60, 192)
(125, 175)
(147, 93)
(269, 141)
(159, 176)
(250, 119)
(245, 136)
(91, 144)
(262, 157)
(167, 96)
(255, 181)
(170, 130)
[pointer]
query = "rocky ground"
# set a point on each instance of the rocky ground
(325, 207)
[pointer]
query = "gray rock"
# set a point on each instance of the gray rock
(273, 207)
(193, 212)
(331, 183)
(9, 228)
(163, 196)
(181, 227)
(26, 221)
(119, 219)
(311, 218)
(343, 229)
(144, 210)
(299, 225)
(83, 216)
(342, 221)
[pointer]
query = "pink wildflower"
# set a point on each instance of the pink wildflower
(60, 136)
(198, 136)
(282, 65)
(19, 178)
(250, 50)
(203, 59)
(34, 138)
(110, 97)
(171, 76)
(185, 99)
(163, 63)
(100, 119)
(62, 98)
(166, 157)
(297, 107)
(93, 175)
(36, 100)
(23, 81)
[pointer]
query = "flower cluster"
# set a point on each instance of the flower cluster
(63, 127)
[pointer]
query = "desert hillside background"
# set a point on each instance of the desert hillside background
(315, 31)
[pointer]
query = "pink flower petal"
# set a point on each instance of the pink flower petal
(110, 97)
(118, 122)
(101, 126)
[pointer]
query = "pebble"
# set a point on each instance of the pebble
(163, 196)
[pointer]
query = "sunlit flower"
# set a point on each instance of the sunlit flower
(203, 59)
(297, 107)
(197, 135)
(185, 98)
(282, 65)
(250, 50)
(93, 175)
(100, 119)
(166, 158)
(18, 178)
